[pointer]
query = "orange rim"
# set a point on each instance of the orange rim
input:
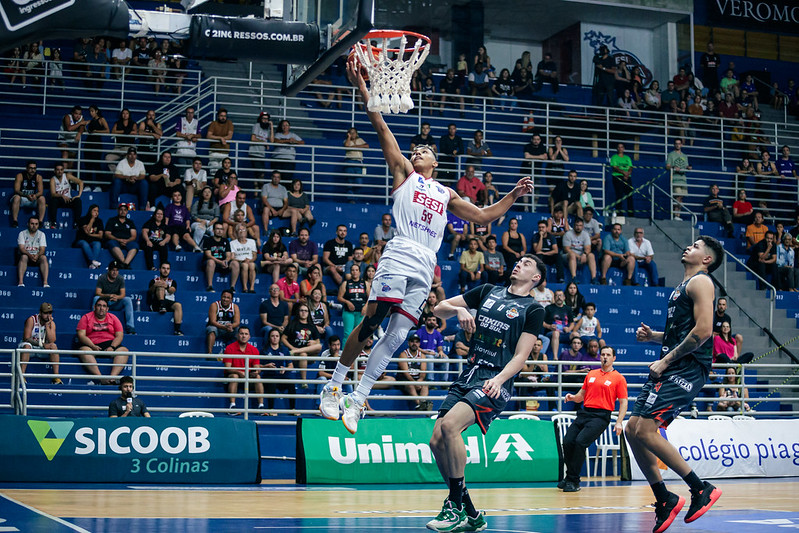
(395, 34)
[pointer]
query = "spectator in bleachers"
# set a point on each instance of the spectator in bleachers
(96, 61)
(353, 156)
(427, 310)
(546, 72)
(226, 183)
(785, 166)
(126, 404)
(161, 292)
(89, 236)
(479, 84)
(514, 245)
(574, 354)
(450, 146)
(301, 338)
(411, 369)
(432, 345)
(12, 66)
(289, 287)
(616, 253)
(120, 234)
(471, 262)
(298, 208)
(124, 132)
(176, 63)
(720, 316)
(336, 252)
(164, 178)
(668, 96)
(72, 126)
(623, 78)
(320, 311)
(756, 231)
(763, 258)
(787, 275)
(470, 186)
(385, 231)
(749, 93)
(238, 367)
(204, 214)
(274, 256)
(730, 85)
(262, 134)
(628, 103)
(155, 238)
(274, 199)
(283, 370)
(220, 132)
(456, 232)
(92, 146)
(424, 137)
(732, 393)
(546, 248)
(710, 62)
(725, 347)
(156, 68)
(716, 212)
(357, 259)
(502, 89)
(273, 311)
(224, 319)
(586, 199)
(313, 280)
(477, 150)
(677, 163)
(642, 252)
(450, 90)
(39, 332)
(28, 192)
(604, 77)
(494, 268)
(535, 150)
(577, 245)
(652, 96)
(61, 196)
(742, 210)
(593, 228)
(150, 131)
(141, 55)
(303, 251)
(231, 217)
(121, 57)
(588, 329)
(491, 191)
(130, 177)
(558, 320)
(187, 130)
(682, 83)
(218, 256)
(567, 195)
(542, 294)
(178, 221)
(284, 154)
(353, 294)
(765, 170)
(111, 288)
(621, 169)
(573, 298)
(245, 253)
(100, 331)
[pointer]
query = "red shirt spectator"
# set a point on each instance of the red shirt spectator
(470, 186)
(290, 289)
(239, 362)
(99, 331)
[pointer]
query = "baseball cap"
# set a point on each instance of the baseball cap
(132, 150)
(414, 337)
(114, 264)
(264, 114)
(46, 308)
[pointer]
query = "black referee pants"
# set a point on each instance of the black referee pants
(588, 426)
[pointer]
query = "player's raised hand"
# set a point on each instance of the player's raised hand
(644, 333)
(523, 186)
(355, 75)
(466, 320)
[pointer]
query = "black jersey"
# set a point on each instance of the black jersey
(501, 319)
(680, 321)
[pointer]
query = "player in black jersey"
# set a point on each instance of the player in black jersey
(674, 381)
(507, 325)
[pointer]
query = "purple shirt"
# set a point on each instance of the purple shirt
(304, 253)
(177, 215)
(565, 355)
(785, 167)
(458, 224)
(430, 341)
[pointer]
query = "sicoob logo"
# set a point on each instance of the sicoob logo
(20, 13)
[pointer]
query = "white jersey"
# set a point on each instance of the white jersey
(420, 211)
(587, 327)
(63, 187)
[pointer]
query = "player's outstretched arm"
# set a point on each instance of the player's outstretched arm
(493, 386)
(456, 306)
(488, 214)
(398, 164)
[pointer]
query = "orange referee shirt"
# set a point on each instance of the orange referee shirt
(602, 389)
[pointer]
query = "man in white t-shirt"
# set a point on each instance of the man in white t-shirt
(577, 245)
(245, 253)
(129, 177)
(642, 250)
(195, 179)
(121, 56)
(274, 199)
(187, 130)
(31, 245)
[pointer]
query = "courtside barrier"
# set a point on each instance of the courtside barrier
(152, 450)
(398, 451)
(729, 448)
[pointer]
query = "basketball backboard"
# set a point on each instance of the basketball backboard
(341, 24)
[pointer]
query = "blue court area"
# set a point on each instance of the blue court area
(747, 505)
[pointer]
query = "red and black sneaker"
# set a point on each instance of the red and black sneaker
(666, 512)
(702, 501)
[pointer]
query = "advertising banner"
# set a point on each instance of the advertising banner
(398, 451)
(753, 15)
(151, 450)
(251, 38)
(734, 448)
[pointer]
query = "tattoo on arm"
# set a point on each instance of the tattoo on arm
(689, 345)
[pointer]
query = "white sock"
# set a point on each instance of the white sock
(339, 375)
(398, 327)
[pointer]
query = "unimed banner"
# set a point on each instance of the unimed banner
(397, 451)
(152, 450)
(734, 448)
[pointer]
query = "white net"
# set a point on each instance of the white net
(390, 79)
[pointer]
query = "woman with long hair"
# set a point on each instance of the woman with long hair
(725, 347)
(299, 207)
(89, 236)
(732, 392)
(574, 299)
(320, 313)
(155, 237)
(742, 210)
(124, 132)
(353, 294)
(204, 214)
(301, 337)
(245, 253)
(92, 151)
(313, 280)
(514, 245)
(274, 256)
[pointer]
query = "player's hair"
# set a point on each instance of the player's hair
(716, 249)
(539, 264)
(428, 147)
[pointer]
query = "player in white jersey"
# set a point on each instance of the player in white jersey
(405, 271)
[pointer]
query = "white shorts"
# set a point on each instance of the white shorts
(404, 276)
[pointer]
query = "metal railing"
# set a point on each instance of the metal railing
(548, 384)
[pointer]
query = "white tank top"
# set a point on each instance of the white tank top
(39, 331)
(420, 211)
(63, 187)
(587, 327)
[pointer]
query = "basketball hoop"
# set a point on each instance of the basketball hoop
(390, 77)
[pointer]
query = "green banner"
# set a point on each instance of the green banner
(398, 451)
(152, 450)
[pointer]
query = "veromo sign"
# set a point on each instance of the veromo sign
(397, 451)
(110, 450)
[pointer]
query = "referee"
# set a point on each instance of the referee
(601, 388)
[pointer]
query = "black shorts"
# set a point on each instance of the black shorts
(665, 399)
(166, 304)
(180, 231)
(468, 388)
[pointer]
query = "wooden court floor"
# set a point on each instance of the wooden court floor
(749, 505)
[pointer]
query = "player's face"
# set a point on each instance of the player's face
(525, 269)
(695, 254)
(423, 158)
